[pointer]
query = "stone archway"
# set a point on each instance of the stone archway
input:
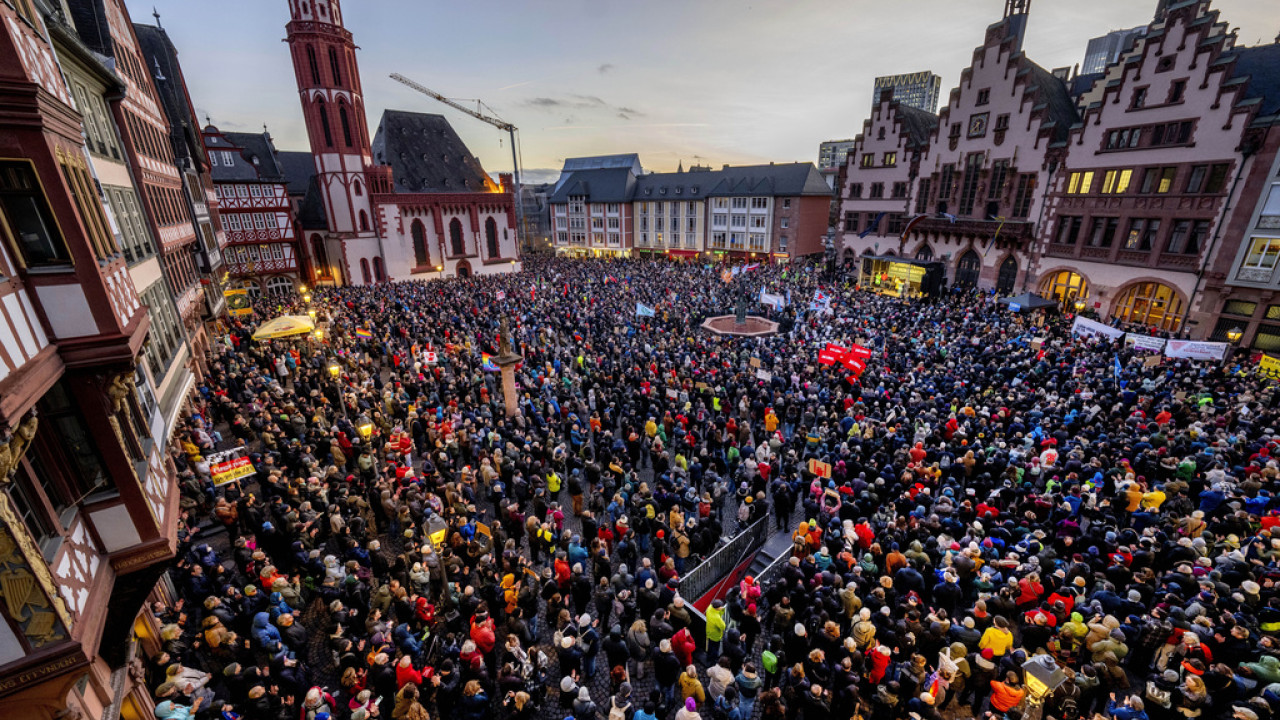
(463, 269)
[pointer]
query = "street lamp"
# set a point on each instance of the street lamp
(312, 313)
(1043, 677)
(437, 530)
(319, 334)
(335, 370)
(365, 426)
(1234, 335)
(1079, 306)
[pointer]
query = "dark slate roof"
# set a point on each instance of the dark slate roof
(1261, 66)
(299, 167)
(257, 146)
(601, 162)
(1053, 94)
(311, 214)
(778, 180)
(674, 186)
(426, 155)
(159, 53)
(90, 20)
(918, 124)
(1082, 84)
(608, 186)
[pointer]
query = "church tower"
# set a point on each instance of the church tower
(324, 63)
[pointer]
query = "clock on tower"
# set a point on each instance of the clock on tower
(978, 125)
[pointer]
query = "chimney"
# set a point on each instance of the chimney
(726, 166)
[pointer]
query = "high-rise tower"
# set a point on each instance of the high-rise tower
(324, 63)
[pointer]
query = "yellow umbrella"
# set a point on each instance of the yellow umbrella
(285, 326)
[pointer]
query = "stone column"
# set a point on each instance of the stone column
(510, 398)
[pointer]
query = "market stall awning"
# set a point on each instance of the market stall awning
(1029, 301)
(285, 326)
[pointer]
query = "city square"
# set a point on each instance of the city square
(972, 418)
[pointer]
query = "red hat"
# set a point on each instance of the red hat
(988, 654)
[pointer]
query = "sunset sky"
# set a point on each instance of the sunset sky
(698, 81)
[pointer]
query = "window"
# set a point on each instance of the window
(690, 224)
(213, 162)
(897, 222)
(922, 195)
(1115, 182)
(757, 221)
(346, 124)
(890, 159)
(1080, 183)
(1158, 180)
(720, 203)
(1124, 139)
(364, 221)
(1007, 276)
(324, 124)
(315, 69)
(738, 222)
(984, 96)
(1195, 182)
(900, 190)
(877, 190)
(868, 160)
(850, 221)
(925, 252)
(1174, 133)
(1177, 90)
(419, 232)
(969, 190)
(1142, 233)
(955, 131)
(259, 222)
(1068, 229)
(999, 173)
(658, 223)
(1102, 231)
(739, 203)
(786, 203)
(1139, 99)
(1217, 180)
(1239, 307)
(1002, 124)
(228, 159)
(1025, 195)
(1270, 216)
(1150, 303)
(88, 204)
(491, 238)
(784, 223)
(855, 190)
(759, 203)
(334, 67)
(968, 270)
(456, 244)
(947, 186)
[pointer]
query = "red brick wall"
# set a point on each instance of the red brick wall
(808, 223)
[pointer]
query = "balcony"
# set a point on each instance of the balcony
(252, 267)
(1060, 250)
(1012, 230)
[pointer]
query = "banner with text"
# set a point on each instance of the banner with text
(1194, 350)
(1093, 328)
(1144, 342)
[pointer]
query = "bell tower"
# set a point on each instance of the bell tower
(324, 64)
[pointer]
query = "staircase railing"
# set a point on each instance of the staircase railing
(721, 562)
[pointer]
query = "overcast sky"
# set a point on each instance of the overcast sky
(703, 81)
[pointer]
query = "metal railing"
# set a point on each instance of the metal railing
(721, 562)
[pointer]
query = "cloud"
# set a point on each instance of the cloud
(519, 84)
(575, 101)
(606, 67)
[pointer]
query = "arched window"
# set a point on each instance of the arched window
(968, 269)
(324, 122)
(255, 290)
(279, 285)
(419, 232)
(364, 271)
(364, 221)
(925, 252)
(315, 68)
(333, 65)
(320, 257)
(379, 273)
(456, 245)
(346, 124)
(359, 190)
(1007, 277)
(1152, 304)
(491, 238)
(1065, 286)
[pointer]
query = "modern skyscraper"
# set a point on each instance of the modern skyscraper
(831, 152)
(919, 90)
(1102, 51)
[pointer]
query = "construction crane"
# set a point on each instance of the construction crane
(496, 122)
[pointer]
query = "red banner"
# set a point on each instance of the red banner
(860, 352)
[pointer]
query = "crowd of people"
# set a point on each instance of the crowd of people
(1001, 491)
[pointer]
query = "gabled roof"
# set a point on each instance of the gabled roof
(160, 55)
(253, 155)
(311, 213)
(615, 185)
(426, 155)
(778, 180)
(917, 124)
(1052, 93)
(674, 186)
(299, 167)
(1261, 67)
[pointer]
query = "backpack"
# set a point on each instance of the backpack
(617, 713)
(1069, 707)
